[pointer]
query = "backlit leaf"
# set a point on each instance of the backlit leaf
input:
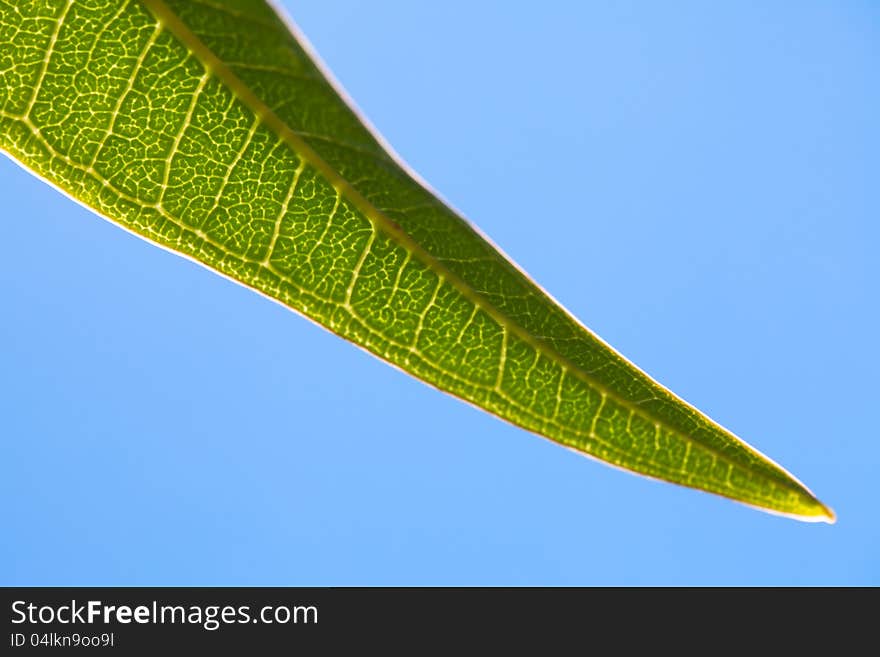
(208, 128)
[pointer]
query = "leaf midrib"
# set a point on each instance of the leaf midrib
(380, 221)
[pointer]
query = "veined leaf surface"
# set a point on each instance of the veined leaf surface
(207, 127)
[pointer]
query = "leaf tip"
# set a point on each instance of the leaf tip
(816, 511)
(828, 515)
(808, 508)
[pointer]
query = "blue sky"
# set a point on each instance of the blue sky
(696, 181)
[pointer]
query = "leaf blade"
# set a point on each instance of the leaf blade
(222, 140)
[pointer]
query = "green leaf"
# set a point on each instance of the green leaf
(207, 127)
